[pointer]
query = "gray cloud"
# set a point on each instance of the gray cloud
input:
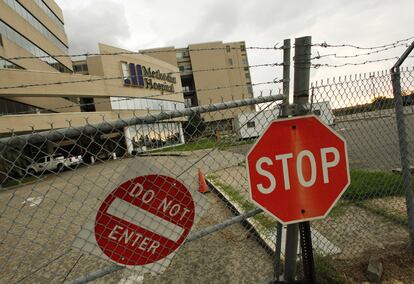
(143, 24)
(90, 22)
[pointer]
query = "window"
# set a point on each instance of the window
(5, 64)
(50, 13)
(230, 61)
(250, 90)
(16, 6)
(186, 88)
(181, 68)
(122, 103)
(1, 41)
(125, 73)
(228, 48)
(24, 43)
(182, 54)
(245, 61)
(247, 74)
(87, 105)
(251, 124)
(80, 68)
(242, 47)
(187, 102)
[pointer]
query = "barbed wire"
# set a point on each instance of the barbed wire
(316, 57)
(326, 45)
(316, 66)
(89, 80)
(143, 52)
(275, 81)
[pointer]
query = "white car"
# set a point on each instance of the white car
(51, 163)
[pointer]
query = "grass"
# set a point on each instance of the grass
(364, 185)
(324, 267)
(204, 143)
(339, 209)
(397, 219)
(326, 272)
(373, 184)
(11, 183)
(236, 197)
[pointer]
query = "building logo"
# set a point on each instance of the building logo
(136, 75)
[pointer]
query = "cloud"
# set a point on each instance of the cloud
(89, 22)
(139, 24)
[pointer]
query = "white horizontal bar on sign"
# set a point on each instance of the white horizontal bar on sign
(144, 219)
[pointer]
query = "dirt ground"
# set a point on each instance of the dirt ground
(398, 264)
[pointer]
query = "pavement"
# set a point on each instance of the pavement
(40, 221)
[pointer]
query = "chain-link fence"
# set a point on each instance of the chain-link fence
(132, 191)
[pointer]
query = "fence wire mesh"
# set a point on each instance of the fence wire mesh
(66, 194)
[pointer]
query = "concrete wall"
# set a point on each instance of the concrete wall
(166, 54)
(20, 123)
(217, 57)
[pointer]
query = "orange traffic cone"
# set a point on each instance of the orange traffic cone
(203, 185)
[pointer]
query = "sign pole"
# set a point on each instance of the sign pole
(307, 252)
(301, 96)
(302, 177)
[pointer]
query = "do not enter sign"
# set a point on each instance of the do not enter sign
(298, 169)
(144, 220)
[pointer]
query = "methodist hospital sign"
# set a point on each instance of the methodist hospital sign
(137, 75)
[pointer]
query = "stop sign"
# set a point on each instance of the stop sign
(298, 169)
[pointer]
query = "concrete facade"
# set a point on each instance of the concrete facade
(231, 82)
(172, 78)
(36, 28)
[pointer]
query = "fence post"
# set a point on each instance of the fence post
(286, 77)
(403, 144)
(300, 98)
(284, 112)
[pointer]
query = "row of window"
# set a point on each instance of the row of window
(16, 6)
(121, 103)
(186, 68)
(182, 54)
(5, 64)
(155, 135)
(50, 14)
(80, 68)
(24, 43)
(242, 48)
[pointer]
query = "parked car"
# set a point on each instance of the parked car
(73, 161)
(51, 163)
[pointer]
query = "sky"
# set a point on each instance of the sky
(138, 24)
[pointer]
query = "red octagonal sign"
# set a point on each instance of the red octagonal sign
(298, 169)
